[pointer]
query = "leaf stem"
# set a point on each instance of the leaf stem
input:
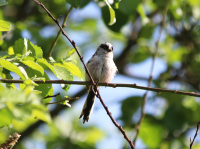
(59, 33)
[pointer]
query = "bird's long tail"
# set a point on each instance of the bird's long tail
(88, 106)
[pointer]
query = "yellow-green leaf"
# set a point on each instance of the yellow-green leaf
(34, 66)
(73, 69)
(4, 26)
(11, 67)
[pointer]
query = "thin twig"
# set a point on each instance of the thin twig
(191, 144)
(61, 100)
(71, 41)
(114, 85)
(51, 96)
(113, 120)
(74, 45)
(59, 33)
(143, 113)
(5, 35)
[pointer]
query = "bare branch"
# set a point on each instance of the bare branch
(10, 143)
(114, 85)
(81, 58)
(5, 35)
(51, 96)
(191, 144)
(113, 120)
(143, 113)
(71, 41)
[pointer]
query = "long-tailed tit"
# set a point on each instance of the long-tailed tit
(102, 69)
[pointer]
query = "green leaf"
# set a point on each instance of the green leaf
(128, 7)
(34, 65)
(146, 31)
(38, 79)
(46, 89)
(71, 52)
(174, 114)
(30, 82)
(73, 69)
(141, 11)
(3, 2)
(9, 85)
(121, 18)
(83, 3)
(116, 4)
(151, 132)
(4, 26)
(140, 55)
(42, 115)
(23, 71)
(63, 74)
(36, 51)
(129, 107)
(112, 14)
(66, 103)
(21, 104)
(2, 87)
(74, 3)
(43, 62)
(20, 46)
(6, 117)
(11, 67)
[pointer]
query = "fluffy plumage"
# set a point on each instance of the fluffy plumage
(103, 69)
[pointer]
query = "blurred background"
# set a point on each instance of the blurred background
(170, 119)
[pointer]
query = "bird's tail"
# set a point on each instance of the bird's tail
(88, 106)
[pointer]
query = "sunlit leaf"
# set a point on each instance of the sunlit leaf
(36, 51)
(20, 46)
(141, 11)
(34, 65)
(4, 26)
(63, 74)
(42, 115)
(71, 52)
(6, 117)
(43, 62)
(11, 67)
(73, 69)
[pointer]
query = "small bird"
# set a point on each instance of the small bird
(102, 69)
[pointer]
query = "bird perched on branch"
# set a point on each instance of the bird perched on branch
(102, 69)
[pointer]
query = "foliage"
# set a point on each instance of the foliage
(132, 26)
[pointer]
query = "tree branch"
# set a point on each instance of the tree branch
(114, 85)
(71, 41)
(191, 144)
(143, 113)
(81, 58)
(11, 141)
(59, 33)
(51, 96)
(113, 120)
